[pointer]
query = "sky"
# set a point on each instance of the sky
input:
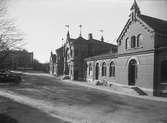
(43, 21)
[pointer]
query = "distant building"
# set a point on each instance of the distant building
(16, 59)
(57, 62)
(141, 59)
(52, 64)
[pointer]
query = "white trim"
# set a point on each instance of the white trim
(133, 57)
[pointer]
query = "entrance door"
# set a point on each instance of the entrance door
(132, 73)
(97, 71)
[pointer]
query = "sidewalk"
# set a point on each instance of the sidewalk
(117, 90)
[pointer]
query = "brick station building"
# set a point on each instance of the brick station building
(139, 59)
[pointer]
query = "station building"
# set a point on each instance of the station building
(139, 59)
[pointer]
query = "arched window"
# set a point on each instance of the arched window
(90, 68)
(112, 69)
(127, 43)
(97, 71)
(104, 69)
(133, 42)
(68, 53)
(164, 70)
(139, 40)
(71, 53)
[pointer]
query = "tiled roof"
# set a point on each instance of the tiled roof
(157, 24)
(102, 56)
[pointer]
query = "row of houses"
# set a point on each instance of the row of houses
(139, 58)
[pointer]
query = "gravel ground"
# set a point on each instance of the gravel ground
(13, 112)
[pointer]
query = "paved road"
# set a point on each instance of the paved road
(13, 112)
(86, 105)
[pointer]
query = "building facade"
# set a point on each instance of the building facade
(70, 57)
(141, 58)
(52, 64)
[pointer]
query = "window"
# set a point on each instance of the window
(112, 69)
(127, 43)
(68, 53)
(139, 40)
(164, 70)
(71, 69)
(71, 53)
(90, 68)
(133, 42)
(104, 69)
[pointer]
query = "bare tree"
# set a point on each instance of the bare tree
(10, 37)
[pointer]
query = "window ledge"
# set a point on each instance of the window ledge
(134, 48)
(113, 77)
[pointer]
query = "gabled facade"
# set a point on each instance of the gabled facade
(76, 50)
(139, 59)
(142, 56)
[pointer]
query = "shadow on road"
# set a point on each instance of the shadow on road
(7, 119)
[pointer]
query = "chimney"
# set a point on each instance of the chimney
(102, 39)
(90, 36)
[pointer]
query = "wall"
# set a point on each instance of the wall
(145, 70)
(91, 77)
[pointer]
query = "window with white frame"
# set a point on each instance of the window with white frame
(104, 69)
(90, 69)
(112, 69)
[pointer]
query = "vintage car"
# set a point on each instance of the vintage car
(10, 77)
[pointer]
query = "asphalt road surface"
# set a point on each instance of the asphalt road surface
(80, 104)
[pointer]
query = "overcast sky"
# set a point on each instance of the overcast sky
(43, 21)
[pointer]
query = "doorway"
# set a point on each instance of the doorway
(132, 72)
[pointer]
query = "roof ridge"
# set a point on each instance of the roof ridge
(153, 18)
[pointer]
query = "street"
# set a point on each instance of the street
(80, 104)
(13, 112)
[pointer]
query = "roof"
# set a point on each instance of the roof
(103, 56)
(100, 42)
(60, 49)
(157, 24)
(89, 41)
